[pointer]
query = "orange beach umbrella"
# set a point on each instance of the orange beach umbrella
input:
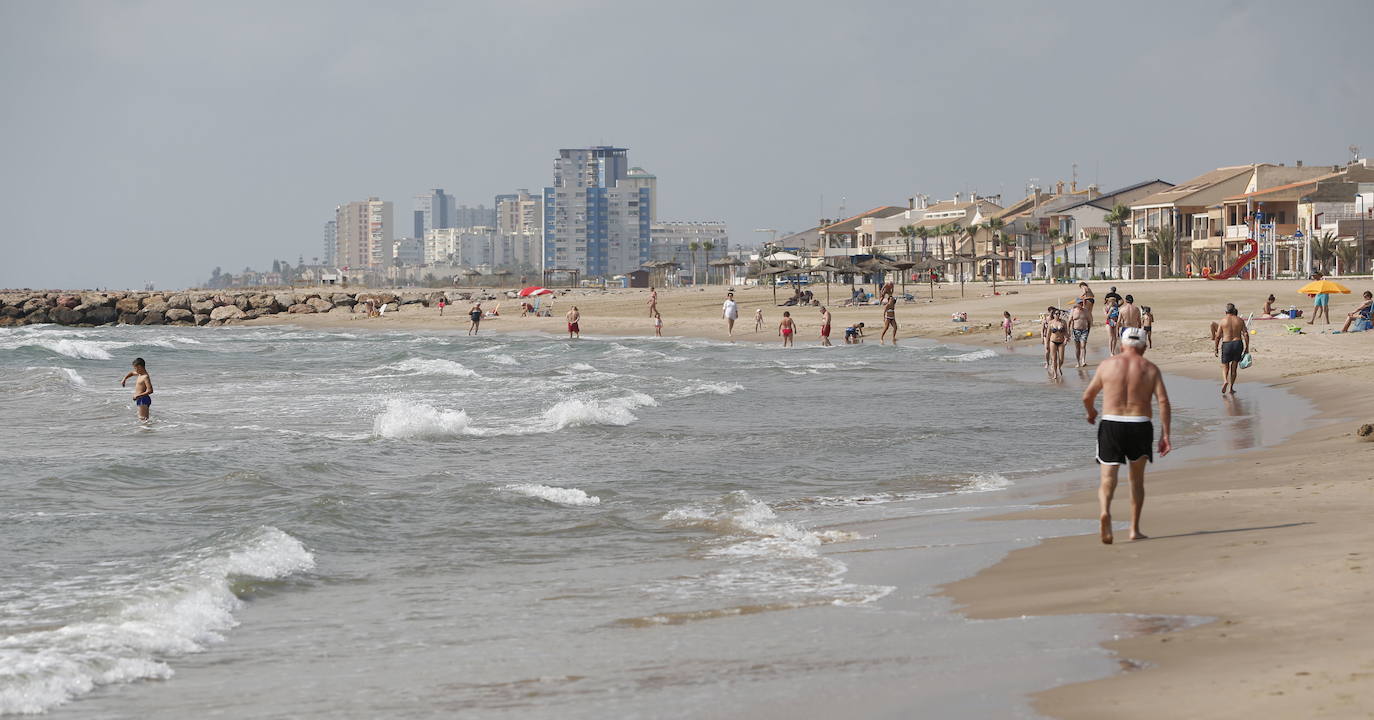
(1323, 286)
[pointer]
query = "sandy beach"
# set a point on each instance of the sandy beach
(1269, 541)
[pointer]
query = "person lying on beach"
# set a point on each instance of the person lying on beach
(1231, 342)
(787, 328)
(854, 334)
(143, 388)
(1127, 382)
(1363, 311)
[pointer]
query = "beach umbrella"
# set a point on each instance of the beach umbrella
(1317, 287)
(772, 271)
(926, 266)
(535, 291)
(997, 260)
(828, 269)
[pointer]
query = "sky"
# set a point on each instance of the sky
(151, 141)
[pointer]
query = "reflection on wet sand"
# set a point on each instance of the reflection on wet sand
(1242, 432)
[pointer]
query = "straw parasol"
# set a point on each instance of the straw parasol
(771, 271)
(724, 262)
(502, 274)
(998, 259)
(829, 271)
(925, 266)
(470, 273)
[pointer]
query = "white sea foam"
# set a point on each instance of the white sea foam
(433, 366)
(560, 496)
(581, 367)
(983, 354)
(988, 482)
(503, 359)
(613, 411)
(709, 388)
(73, 348)
(755, 526)
(134, 624)
(405, 419)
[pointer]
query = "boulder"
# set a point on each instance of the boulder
(68, 301)
(128, 318)
(202, 318)
(153, 317)
(285, 300)
(264, 301)
(11, 311)
(180, 301)
(220, 299)
(202, 306)
(97, 300)
(243, 302)
(100, 315)
(178, 315)
(37, 303)
(320, 304)
(63, 315)
(341, 299)
(9, 321)
(127, 305)
(161, 307)
(226, 312)
(377, 298)
(36, 317)
(342, 309)
(202, 296)
(215, 323)
(301, 308)
(154, 300)
(257, 313)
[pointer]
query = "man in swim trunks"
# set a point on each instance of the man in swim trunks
(1058, 337)
(787, 328)
(143, 388)
(854, 334)
(475, 315)
(1321, 304)
(825, 326)
(574, 329)
(1127, 383)
(1232, 341)
(1081, 323)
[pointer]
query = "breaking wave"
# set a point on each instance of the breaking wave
(557, 495)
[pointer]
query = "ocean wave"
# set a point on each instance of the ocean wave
(503, 359)
(72, 377)
(69, 347)
(432, 366)
(405, 419)
(709, 388)
(557, 495)
(137, 623)
(613, 411)
(755, 527)
(989, 482)
(983, 354)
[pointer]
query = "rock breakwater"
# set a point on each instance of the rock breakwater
(192, 308)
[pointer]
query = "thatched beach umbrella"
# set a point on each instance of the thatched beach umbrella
(771, 272)
(903, 267)
(829, 271)
(725, 262)
(997, 261)
(470, 273)
(925, 266)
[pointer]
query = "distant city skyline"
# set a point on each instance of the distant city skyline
(158, 121)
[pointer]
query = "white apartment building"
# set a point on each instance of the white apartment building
(459, 246)
(363, 234)
(673, 240)
(408, 251)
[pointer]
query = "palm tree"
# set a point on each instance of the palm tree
(923, 232)
(1032, 229)
(1053, 269)
(1323, 248)
(706, 248)
(1093, 239)
(693, 247)
(907, 233)
(1116, 219)
(1164, 242)
(1349, 257)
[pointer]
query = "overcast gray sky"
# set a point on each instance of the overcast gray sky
(154, 140)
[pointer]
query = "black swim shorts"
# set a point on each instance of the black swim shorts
(1231, 351)
(1120, 442)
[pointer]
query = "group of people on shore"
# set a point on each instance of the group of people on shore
(1058, 325)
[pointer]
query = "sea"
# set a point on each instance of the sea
(324, 524)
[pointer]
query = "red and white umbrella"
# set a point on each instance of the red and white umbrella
(535, 291)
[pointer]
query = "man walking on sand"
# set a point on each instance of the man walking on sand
(730, 311)
(143, 388)
(574, 328)
(825, 326)
(1129, 315)
(1231, 342)
(1127, 383)
(1080, 324)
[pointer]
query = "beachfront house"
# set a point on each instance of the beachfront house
(1343, 207)
(1191, 209)
(849, 237)
(1081, 217)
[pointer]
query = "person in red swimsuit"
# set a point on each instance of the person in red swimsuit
(787, 328)
(825, 326)
(574, 330)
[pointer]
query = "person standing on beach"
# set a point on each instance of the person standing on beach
(1321, 304)
(1080, 324)
(1127, 382)
(1050, 313)
(758, 319)
(730, 311)
(653, 301)
(889, 319)
(475, 315)
(1147, 323)
(825, 326)
(1129, 315)
(1114, 325)
(1232, 341)
(1087, 298)
(143, 388)
(574, 328)
(1111, 295)
(1006, 326)
(787, 328)
(658, 324)
(1058, 337)
(441, 307)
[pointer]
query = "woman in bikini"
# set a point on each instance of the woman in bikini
(889, 320)
(1058, 334)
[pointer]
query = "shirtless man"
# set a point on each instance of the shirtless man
(1129, 315)
(574, 329)
(143, 388)
(1081, 323)
(787, 328)
(1058, 337)
(1232, 341)
(889, 319)
(825, 326)
(1127, 382)
(1087, 297)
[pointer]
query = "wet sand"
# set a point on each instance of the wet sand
(1272, 542)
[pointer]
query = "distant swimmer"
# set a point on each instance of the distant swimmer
(143, 388)
(1231, 342)
(825, 326)
(475, 315)
(787, 328)
(730, 311)
(574, 328)
(889, 319)
(1127, 383)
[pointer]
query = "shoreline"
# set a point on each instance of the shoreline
(1278, 558)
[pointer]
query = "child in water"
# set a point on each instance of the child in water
(658, 324)
(1006, 326)
(143, 388)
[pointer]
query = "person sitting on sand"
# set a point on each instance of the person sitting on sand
(854, 334)
(1127, 382)
(574, 328)
(825, 326)
(1363, 311)
(1231, 342)
(1268, 310)
(787, 328)
(143, 388)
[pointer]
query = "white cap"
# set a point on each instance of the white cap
(1133, 336)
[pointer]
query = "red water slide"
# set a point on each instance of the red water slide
(1240, 262)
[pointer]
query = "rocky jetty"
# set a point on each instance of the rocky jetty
(193, 308)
